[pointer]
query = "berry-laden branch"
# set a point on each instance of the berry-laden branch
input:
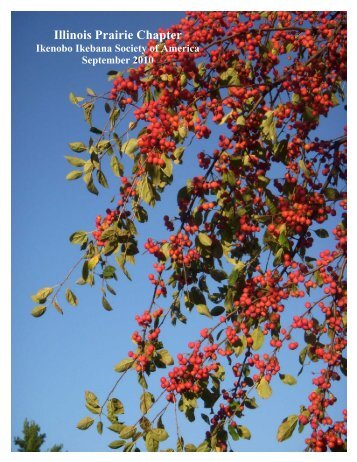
(250, 89)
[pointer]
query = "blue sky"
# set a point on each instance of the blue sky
(55, 359)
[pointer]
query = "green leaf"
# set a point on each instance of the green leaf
(159, 434)
(278, 257)
(220, 373)
(233, 277)
(146, 401)
(121, 264)
(196, 296)
(177, 154)
(127, 431)
(230, 77)
(93, 409)
(183, 80)
(75, 99)
(88, 179)
(145, 423)
(77, 147)
(203, 447)
(304, 169)
(288, 379)
(103, 145)
(165, 357)
(179, 444)
(88, 108)
(218, 275)
(217, 310)
(152, 444)
(58, 308)
(92, 402)
(206, 418)
(282, 239)
(96, 131)
(100, 427)
(142, 216)
(115, 406)
(42, 294)
(109, 272)
(287, 427)
(116, 166)
(268, 126)
(130, 146)
(106, 304)
(240, 120)
(76, 161)
(281, 153)
(332, 194)
(124, 365)
(205, 240)
(302, 355)
(71, 298)
(116, 444)
(258, 339)
(168, 169)
(202, 309)
(85, 423)
(309, 116)
(241, 346)
(295, 99)
(129, 446)
(110, 234)
(38, 311)
(318, 278)
(323, 233)
(334, 99)
(74, 175)
(226, 117)
(92, 262)
(182, 131)
(264, 389)
(190, 447)
(263, 181)
(250, 403)
(113, 117)
(79, 237)
(102, 179)
(233, 431)
(115, 427)
(90, 92)
(91, 398)
(146, 191)
(244, 432)
(85, 270)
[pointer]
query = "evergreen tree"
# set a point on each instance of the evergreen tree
(32, 439)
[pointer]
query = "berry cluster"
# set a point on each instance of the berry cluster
(192, 374)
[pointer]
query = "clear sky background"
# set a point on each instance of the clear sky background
(56, 358)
